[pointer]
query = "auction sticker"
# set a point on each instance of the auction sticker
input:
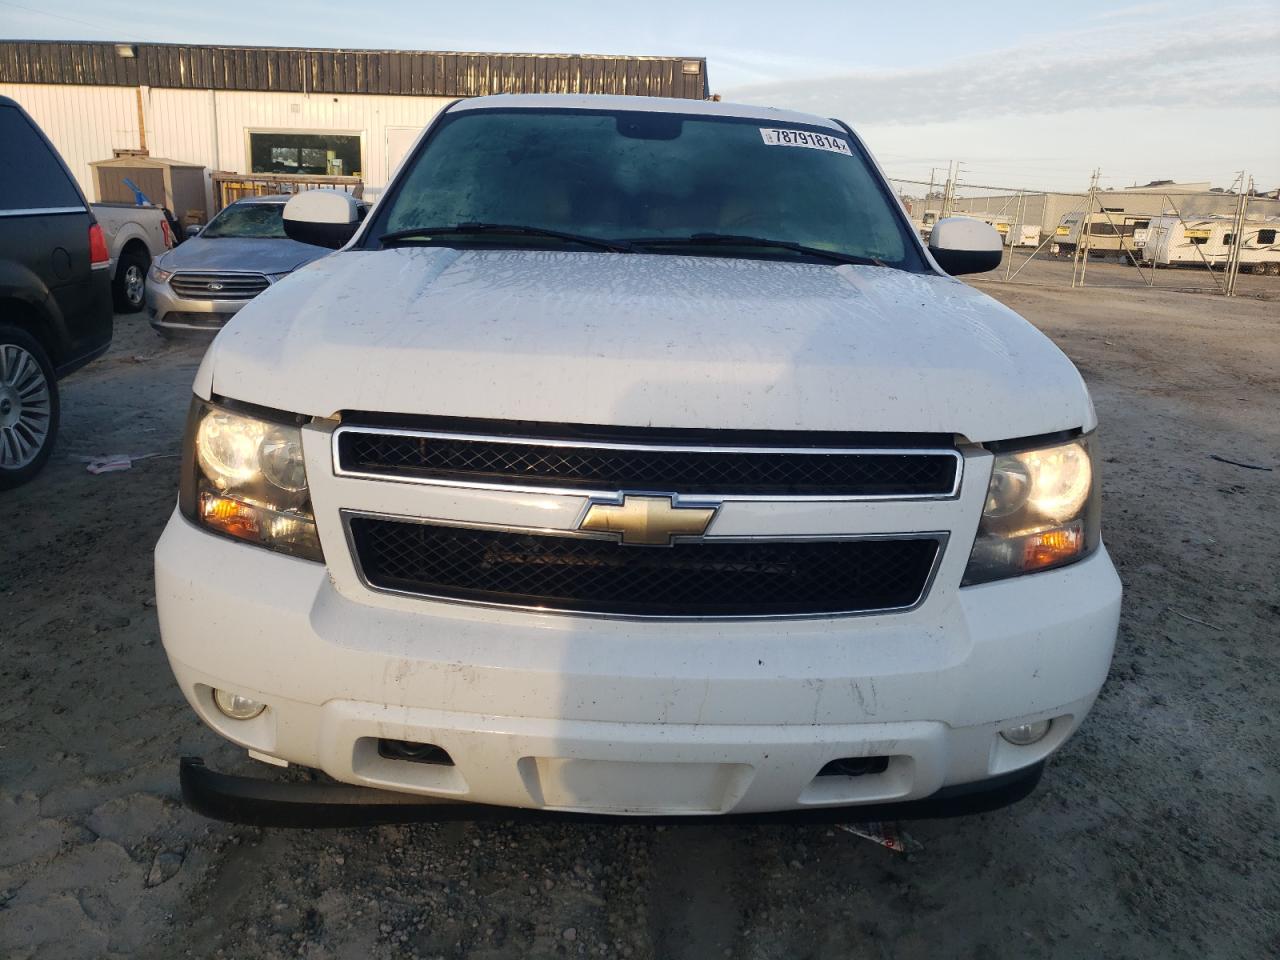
(804, 138)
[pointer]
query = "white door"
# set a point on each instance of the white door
(399, 140)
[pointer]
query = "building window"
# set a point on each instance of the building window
(306, 154)
(1266, 236)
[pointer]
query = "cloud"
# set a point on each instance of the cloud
(1191, 68)
(1195, 94)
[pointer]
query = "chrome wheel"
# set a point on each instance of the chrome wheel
(135, 281)
(25, 407)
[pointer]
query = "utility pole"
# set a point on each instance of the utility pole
(949, 193)
(1233, 257)
(1085, 232)
(955, 185)
(928, 197)
(1014, 235)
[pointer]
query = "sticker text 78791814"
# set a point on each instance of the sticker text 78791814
(776, 137)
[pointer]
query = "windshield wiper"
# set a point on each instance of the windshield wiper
(417, 234)
(736, 240)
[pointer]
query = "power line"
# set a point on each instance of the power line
(60, 16)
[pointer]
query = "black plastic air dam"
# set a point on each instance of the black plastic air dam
(271, 803)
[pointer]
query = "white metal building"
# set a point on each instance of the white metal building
(306, 111)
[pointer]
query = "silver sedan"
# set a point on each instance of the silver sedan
(198, 286)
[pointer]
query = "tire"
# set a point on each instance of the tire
(1258, 269)
(129, 286)
(28, 407)
(1273, 268)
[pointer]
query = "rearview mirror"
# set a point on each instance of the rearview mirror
(193, 230)
(961, 245)
(324, 218)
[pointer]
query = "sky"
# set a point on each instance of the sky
(1025, 95)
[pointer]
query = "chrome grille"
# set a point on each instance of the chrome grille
(786, 470)
(218, 286)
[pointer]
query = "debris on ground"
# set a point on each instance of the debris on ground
(1191, 619)
(114, 462)
(891, 836)
(1239, 463)
(164, 867)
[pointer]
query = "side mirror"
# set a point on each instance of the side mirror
(193, 230)
(961, 245)
(324, 218)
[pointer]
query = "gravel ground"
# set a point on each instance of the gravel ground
(1152, 835)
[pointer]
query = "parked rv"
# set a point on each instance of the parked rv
(924, 226)
(1208, 241)
(1110, 234)
(1012, 233)
(1023, 235)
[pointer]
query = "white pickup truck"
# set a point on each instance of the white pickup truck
(634, 457)
(135, 236)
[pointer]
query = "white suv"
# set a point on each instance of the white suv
(634, 457)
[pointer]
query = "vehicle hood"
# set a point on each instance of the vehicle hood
(645, 340)
(241, 253)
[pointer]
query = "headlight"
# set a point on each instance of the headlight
(244, 477)
(1041, 511)
(159, 276)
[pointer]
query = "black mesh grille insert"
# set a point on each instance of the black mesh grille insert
(692, 471)
(704, 578)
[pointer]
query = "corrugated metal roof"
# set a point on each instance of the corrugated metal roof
(406, 72)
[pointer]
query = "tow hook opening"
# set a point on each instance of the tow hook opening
(855, 767)
(414, 752)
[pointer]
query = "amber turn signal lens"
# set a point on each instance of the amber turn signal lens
(230, 516)
(1052, 547)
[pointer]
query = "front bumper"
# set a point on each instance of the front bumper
(274, 803)
(555, 712)
(171, 313)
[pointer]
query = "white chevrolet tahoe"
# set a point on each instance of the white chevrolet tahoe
(634, 457)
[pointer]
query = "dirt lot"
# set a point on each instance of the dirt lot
(1109, 270)
(1153, 834)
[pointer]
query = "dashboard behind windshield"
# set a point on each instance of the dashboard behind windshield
(632, 175)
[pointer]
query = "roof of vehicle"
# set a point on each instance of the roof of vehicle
(265, 198)
(708, 108)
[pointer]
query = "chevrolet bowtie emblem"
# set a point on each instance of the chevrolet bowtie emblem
(647, 521)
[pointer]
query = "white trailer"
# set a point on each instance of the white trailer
(1023, 235)
(1170, 242)
(1012, 234)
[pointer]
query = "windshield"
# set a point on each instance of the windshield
(259, 220)
(649, 177)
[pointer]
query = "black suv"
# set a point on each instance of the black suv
(55, 291)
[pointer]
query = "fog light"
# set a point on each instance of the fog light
(1025, 734)
(237, 707)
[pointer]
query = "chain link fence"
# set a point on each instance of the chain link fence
(1170, 236)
